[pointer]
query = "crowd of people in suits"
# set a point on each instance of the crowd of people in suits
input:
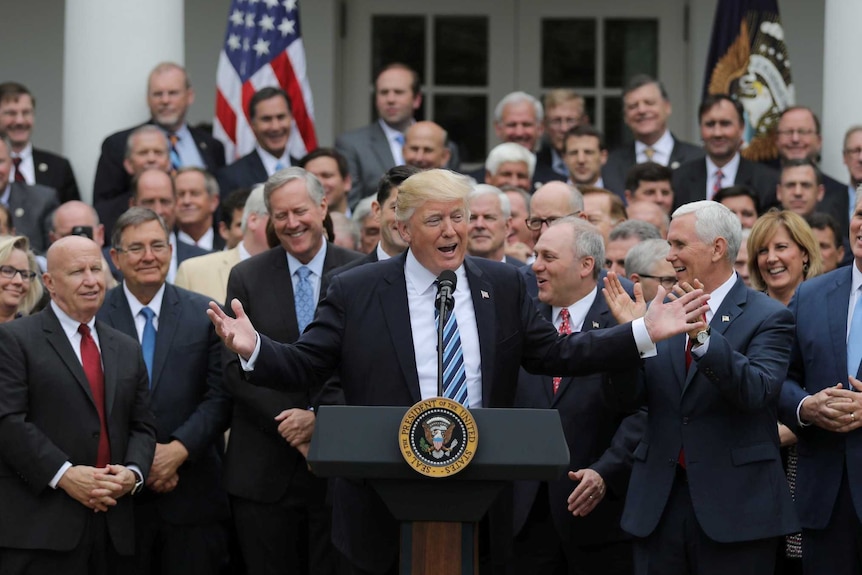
(693, 316)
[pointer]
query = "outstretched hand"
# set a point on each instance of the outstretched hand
(237, 333)
(685, 313)
(620, 303)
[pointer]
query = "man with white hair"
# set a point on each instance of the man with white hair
(509, 164)
(646, 263)
(490, 219)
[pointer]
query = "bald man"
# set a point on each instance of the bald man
(425, 146)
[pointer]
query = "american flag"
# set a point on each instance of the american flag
(263, 47)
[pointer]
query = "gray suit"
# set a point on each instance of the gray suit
(31, 206)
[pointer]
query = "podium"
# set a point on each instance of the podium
(438, 515)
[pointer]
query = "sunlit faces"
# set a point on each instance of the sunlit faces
(511, 173)
(584, 159)
(144, 256)
(437, 234)
(743, 207)
(488, 227)
(559, 273)
(335, 186)
(149, 151)
(16, 120)
(74, 278)
(831, 254)
(798, 190)
(781, 261)
(646, 113)
(797, 137)
(560, 119)
(297, 219)
(394, 97)
(271, 124)
(659, 193)
(194, 204)
(721, 131)
(519, 124)
(13, 290)
(156, 192)
(169, 97)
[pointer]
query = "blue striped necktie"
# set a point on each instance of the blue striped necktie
(854, 340)
(454, 376)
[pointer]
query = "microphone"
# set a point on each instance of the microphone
(444, 303)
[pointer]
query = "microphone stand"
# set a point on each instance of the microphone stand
(442, 314)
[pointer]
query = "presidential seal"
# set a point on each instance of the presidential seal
(438, 437)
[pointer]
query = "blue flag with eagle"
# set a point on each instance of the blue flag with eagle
(748, 60)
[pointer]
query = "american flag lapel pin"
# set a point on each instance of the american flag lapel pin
(725, 318)
(484, 294)
(595, 325)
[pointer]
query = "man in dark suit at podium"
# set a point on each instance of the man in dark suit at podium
(498, 327)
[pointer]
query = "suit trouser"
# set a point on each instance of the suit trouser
(678, 546)
(837, 549)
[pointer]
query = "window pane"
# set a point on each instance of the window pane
(464, 118)
(631, 47)
(397, 39)
(568, 53)
(616, 133)
(461, 51)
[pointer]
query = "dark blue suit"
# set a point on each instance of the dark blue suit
(190, 405)
(245, 172)
(724, 414)
(828, 476)
(600, 436)
(381, 370)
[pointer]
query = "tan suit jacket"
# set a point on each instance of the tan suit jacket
(208, 274)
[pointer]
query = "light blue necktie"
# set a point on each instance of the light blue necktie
(454, 376)
(303, 298)
(148, 341)
(176, 163)
(854, 339)
(279, 166)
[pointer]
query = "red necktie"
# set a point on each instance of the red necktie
(565, 329)
(681, 459)
(717, 185)
(19, 176)
(92, 363)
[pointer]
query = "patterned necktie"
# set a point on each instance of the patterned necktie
(91, 360)
(303, 298)
(854, 340)
(19, 175)
(454, 376)
(717, 185)
(148, 340)
(565, 329)
(649, 153)
(176, 164)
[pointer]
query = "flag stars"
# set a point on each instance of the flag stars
(271, 3)
(289, 5)
(286, 27)
(249, 20)
(237, 18)
(246, 45)
(267, 23)
(233, 42)
(261, 47)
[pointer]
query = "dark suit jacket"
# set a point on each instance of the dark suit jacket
(591, 415)
(260, 465)
(55, 172)
(819, 360)
(47, 417)
(620, 160)
(187, 398)
(381, 370)
(689, 182)
(31, 208)
(836, 203)
(111, 186)
(246, 171)
(724, 414)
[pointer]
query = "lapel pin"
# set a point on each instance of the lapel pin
(484, 294)
(674, 165)
(19, 212)
(595, 325)
(725, 318)
(202, 145)
(43, 167)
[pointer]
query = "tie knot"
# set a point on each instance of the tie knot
(16, 161)
(148, 313)
(84, 329)
(173, 139)
(303, 272)
(718, 173)
(564, 313)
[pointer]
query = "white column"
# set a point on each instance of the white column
(110, 48)
(842, 82)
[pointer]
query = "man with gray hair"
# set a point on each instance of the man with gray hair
(197, 200)
(569, 259)
(274, 496)
(509, 164)
(208, 274)
(490, 219)
(622, 238)
(646, 263)
(711, 455)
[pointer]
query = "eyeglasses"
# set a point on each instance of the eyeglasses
(667, 282)
(157, 248)
(852, 151)
(9, 272)
(536, 224)
(798, 131)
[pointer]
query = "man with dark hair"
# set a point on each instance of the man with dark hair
(584, 153)
(32, 165)
(646, 108)
(650, 182)
(179, 518)
(827, 233)
(721, 127)
(30, 206)
(332, 170)
(169, 96)
(230, 217)
(270, 119)
(742, 201)
(800, 187)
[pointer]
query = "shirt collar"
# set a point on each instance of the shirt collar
(136, 306)
(381, 253)
(422, 280)
(243, 253)
(27, 152)
(664, 145)
(69, 325)
(577, 311)
(315, 265)
(729, 168)
(270, 161)
(390, 132)
(716, 298)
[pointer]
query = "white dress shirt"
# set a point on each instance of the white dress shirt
(577, 312)
(136, 306)
(316, 267)
(187, 149)
(396, 147)
(205, 242)
(270, 162)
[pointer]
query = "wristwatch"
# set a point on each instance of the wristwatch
(702, 336)
(139, 483)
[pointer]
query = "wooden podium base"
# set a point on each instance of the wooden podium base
(437, 547)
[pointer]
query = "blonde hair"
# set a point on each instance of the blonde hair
(431, 186)
(8, 244)
(800, 232)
